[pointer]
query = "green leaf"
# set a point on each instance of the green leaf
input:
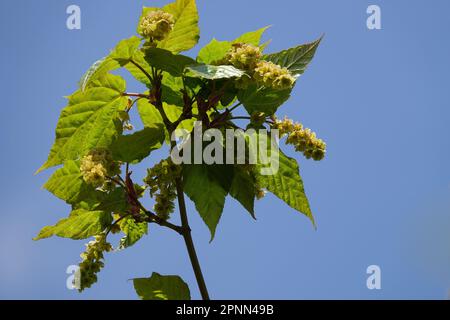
(207, 186)
(262, 99)
(252, 37)
(171, 89)
(295, 59)
(211, 72)
(159, 287)
(80, 224)
(133, 230)
(216, 50)
(151, 117)
(126, 54)
(243, 189)
(185, 32)
(287, 184)
(167, 61)
(213, 51)
(135, 147)
(114, 201)
(67, 184)
(89, 120)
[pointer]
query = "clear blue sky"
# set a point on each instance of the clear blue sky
(379, 98)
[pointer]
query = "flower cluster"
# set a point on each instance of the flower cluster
(272, 75)
(97, 165)
(249, 58)
(303, 139)
(243, 56)
(92, 262)
(156, 25)
(161, 181)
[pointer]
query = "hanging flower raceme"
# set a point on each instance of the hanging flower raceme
(156, 25)
(97, 165)
(161, 182)
(303, 139)
(92, 262)
(272, 75)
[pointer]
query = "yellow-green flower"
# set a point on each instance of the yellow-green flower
(92, 262)
(272, 75)
(161, 182)
(156, 25)
(97, 165)
(243, 56)
(303, 139)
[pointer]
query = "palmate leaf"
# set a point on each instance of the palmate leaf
(207, 186)
(126, 54)
(159, 287)
(211, 72)
(185, 32)
(216, 50)
(295, 59)
(135, 147)
(80, 224)
(89, 120)
(287, 184)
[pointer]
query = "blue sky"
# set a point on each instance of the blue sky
(379, 98)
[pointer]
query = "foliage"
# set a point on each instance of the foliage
(228, 83)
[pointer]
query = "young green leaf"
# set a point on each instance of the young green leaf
(295, 59)
(213, 51)
(135, 147)
(89, 120)
(207, 186)
(211, 72)
(159, 287)
(80, 224)
(252, 37)
(133, 230)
